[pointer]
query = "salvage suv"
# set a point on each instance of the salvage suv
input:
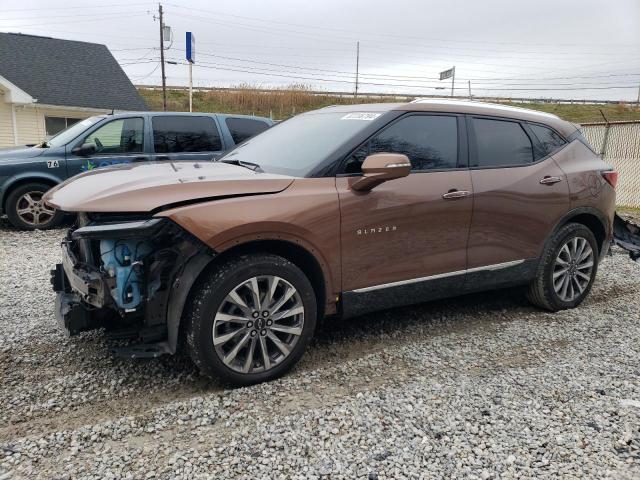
(339, 211)
(26, 173)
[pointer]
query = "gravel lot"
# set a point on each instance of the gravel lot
(483, 386)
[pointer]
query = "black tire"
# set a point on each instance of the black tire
(541, 290)
(207, 298)
(15, 199)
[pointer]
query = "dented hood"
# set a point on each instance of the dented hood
(144, 187)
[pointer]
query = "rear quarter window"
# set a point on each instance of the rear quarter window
(549, 140)
(242, 129)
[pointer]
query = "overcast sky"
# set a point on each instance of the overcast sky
(543, 48)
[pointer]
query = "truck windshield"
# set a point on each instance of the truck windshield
(68, 134)
(296, 146)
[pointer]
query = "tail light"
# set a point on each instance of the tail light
(611, 176)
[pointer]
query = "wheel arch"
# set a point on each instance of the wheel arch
(591, 218)
(15, 182)
(203, 264)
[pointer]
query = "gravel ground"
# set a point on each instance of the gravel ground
(483, 386)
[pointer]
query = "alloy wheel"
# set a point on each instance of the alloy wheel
(573, 269)
(258, 324)
(32, 210)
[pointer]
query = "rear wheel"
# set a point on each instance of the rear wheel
(567, 269)
(251, 319)
(27, 211)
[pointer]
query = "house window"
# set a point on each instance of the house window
(54, 125)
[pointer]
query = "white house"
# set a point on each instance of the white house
(47, 84)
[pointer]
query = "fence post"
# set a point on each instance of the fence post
(603, 149)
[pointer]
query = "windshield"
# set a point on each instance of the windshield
(68, 134)
(296, 146)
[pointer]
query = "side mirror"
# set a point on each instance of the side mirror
(381, 167)
(84, 150)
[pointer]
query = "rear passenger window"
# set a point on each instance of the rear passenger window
(549, 139)
(501, 143)
(175, 134)
(244, 128)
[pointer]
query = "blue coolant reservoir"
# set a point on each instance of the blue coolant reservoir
(121, 259)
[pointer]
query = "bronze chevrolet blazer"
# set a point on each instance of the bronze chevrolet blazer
(340, 211)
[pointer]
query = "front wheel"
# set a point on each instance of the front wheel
(251, 319)
(567, 269)
(27, 211)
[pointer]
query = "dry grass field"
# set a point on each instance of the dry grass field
(282, 103)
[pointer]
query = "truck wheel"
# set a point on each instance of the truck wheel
(251, 319)
(567, 269)
(27, 211)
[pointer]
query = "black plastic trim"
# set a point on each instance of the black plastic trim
(477, 280)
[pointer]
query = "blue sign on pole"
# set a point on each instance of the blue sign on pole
(191, 47)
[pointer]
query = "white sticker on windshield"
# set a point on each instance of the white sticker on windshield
(366, 116)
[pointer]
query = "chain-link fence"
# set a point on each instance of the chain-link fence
(619, 145)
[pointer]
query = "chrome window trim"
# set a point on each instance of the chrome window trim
(496, 266)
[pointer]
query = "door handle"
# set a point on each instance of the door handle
(162, 157)
(140, 159)
(549, 180)
(454, 194)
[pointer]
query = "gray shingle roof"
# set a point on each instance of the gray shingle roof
(67, 72)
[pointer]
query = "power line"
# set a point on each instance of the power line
(374, 75)
(102, 19)
(77, 7)
(449, 58)
(378, 34)
(218, 67)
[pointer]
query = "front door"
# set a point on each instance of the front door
(117, 141)
(520, 193)
(409, 231)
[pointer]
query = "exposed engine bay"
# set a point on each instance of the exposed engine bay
(128, 277)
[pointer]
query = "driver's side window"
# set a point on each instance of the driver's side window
(429, 141)
(118, 136)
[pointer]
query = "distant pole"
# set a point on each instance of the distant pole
(638, 101)
(164, 78)
(469, 89)
(453, 80)
(355, 94)
(190, 86)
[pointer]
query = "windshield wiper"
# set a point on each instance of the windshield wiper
(241, 163)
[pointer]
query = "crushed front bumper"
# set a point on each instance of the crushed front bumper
(160, 258)
(80, 294)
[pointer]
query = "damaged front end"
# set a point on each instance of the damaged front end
(129, 276)
(627, 236)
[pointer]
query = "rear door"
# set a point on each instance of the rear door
(520, 193)
(185, 137)
(116, 141)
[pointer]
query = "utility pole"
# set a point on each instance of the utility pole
(638, 101)
(453, 80)
(355, 94)
(164, 78)
(469, 89)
